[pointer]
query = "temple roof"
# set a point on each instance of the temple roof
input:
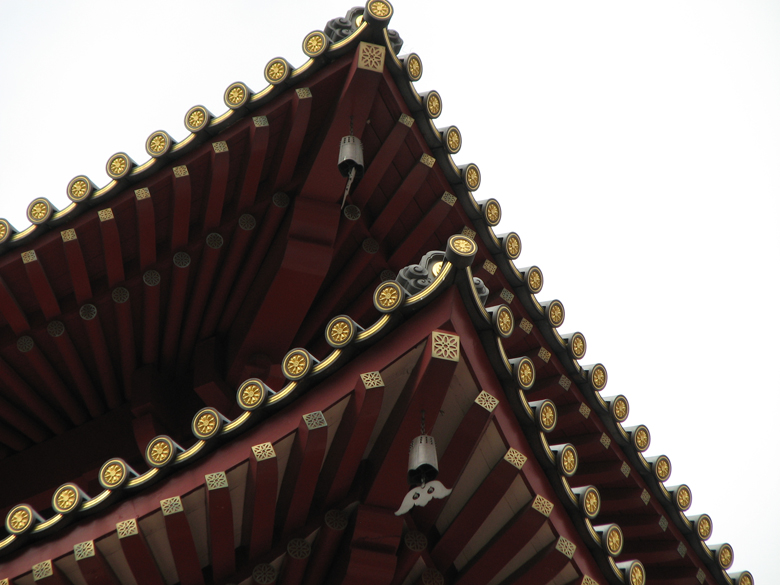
(37, 286)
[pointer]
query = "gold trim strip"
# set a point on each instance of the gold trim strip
(546, 447)
(593, 534)
(302, 69)
(261, 94)
(50, 522)
(7, 541)
(220, 119)
(191, 452)
(234, 424)
(24, 233)
(63, 212)
(431, 288)
(179, 145)
(283, 393)
(143, 478)
(615, 569)
(101, 192)
(570, 493)
(97, 500)
(375, 328)
(334, 355)
(140, 169)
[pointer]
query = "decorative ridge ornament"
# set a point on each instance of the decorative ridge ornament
(423, 470)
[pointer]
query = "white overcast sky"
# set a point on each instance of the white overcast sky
(635, 147)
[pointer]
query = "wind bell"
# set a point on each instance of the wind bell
(423, 470)
(350, 160)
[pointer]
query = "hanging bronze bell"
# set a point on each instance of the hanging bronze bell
(351, 157)
(423, 464)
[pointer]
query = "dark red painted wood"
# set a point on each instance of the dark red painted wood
(221, 541)
(112, 251)
(10, 379)
(300, 112)
(260, 501)
(23, 423)
(123, 316)
(424, 391)
(399, 201)
(13, 439)
(473, 514)
(503, 547)
(175, 312)
(419, 235)
(105, 369)
(95, 570)
(349, 444)
(454, 460)
(41, 366)
(207, 269)
(77, 370)
(251, 266)
(44, 294)
(300, 476)
(231, 264)
(258, 141)
(381, 162)
(11, 310)
(77, 269)
(182, 201)
(185, 555)
(140, 560)
(220, 169)
(151, 322)
(542, 568)
(147, 238)
(324, 548)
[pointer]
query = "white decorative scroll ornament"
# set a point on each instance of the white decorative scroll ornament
(421, 495)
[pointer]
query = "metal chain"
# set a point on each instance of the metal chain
(422, 424)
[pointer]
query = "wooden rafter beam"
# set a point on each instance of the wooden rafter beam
(300, 476)
(67, 350)
(370, 557)
(182, 202)
(207, 270)
(137, 554)
(259, 132)
(504, 546)
(298, 123)
(123, 315)
(545, 565)
(467, 522)
(44, 294)
(215, 199)
(11, 310)
(401, 198)
(185, 555)
(422, 231)
(251, 266)
(260, 500)
(424, 391)
(382, 161)
(147, 239)
(77, 268)
(112, 247)
(22, 422)
(175, 313)
(410, 551)
(92, 564)
(150, 343)
(349, 444)
(39, 364)
(30, 398)
(231, 264)
(325, 546)
(220, 525)
(97, 342)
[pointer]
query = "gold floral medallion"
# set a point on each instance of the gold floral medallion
(637, 575)
(275, 71)
(39, 210)
(683, 498)
(433, 104)
(614, 540)
(548, 417)
(117, 166)
(493, 213)
(513, 246)
(78, 189)
(379, 9)
(569, 457)
(414, 67)
(314, 44)
(19, 519)
(526, 374)
(591, 502)
(535, 280)
(158, 142)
